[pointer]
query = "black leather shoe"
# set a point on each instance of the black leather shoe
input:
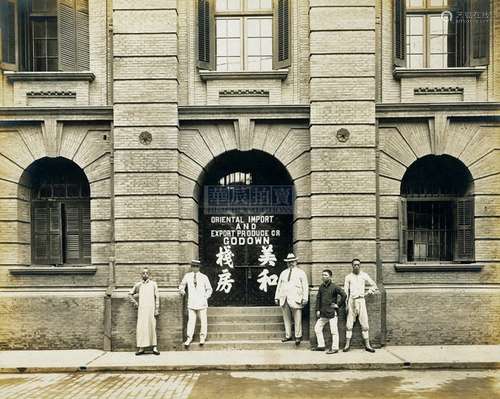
(286, 339)
(156, 352)
(318, 349)
(332, 351)
(138, 353)
(346, 349)
(297, 341)
(371, 350)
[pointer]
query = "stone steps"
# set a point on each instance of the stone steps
(250, 345)
(253, 327)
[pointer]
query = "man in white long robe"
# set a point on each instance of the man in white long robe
(148, 309)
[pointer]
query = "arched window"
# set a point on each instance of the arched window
(60, 212)
(436, 211)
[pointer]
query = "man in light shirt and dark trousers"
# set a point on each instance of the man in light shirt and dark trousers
(354, 287)
(292, 293)
(199, 290)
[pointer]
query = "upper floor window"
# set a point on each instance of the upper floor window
(441, 33)
(238, 35)
(44, 35)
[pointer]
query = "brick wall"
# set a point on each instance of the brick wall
(51, 320)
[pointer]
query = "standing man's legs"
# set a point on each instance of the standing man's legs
(351, 317)
(297, 322)
(287, 319)
(190, 326)
(318, 330)
(363, 320)
(203, 328)
(335, 335)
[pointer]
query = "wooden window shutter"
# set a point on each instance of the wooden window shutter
(281, 34)
(403, 230)
(46, 233)
(479, 32)
(457, 40)
(464, 242)
(77, 232)
(206, 34)
(82, 35)
(8, 18)
(73, 35)
(399, 33)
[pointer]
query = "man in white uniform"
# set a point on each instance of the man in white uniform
(354, 287)
(292, 293)
(199, 290)
(148, 309)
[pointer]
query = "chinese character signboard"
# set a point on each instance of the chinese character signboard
(245, 233)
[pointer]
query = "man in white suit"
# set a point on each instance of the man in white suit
(292, 293)
(199, 290)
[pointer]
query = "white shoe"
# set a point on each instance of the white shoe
(202, 341)
(188, 342)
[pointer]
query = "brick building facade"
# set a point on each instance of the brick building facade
(115, 115)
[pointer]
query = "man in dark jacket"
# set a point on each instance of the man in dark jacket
(327, 304)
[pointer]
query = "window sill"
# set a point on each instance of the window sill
(49, 76)
(52, 270)
(438, 267)
(280, 74)
(430, 72)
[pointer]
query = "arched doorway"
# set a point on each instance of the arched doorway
(246, 219)
(60, 212)
(437, 211)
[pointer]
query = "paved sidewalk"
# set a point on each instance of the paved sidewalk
(388, 358)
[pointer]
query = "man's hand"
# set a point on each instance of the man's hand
(182, 292)
(277, 301)
(335, 305)
(157, 314)
(136, 305)
(318, 314)
(372, 291)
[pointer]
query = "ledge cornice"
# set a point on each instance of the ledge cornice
(233, 112)
(457, 109)
(49, 76)
(280, 74)
(52, 270)
(39, 113)
(438, 267)
(441, 72)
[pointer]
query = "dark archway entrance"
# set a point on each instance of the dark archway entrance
(246, 219)
(60, 212)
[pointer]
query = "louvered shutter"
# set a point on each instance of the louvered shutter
(399, 33)
(457, 34)
(206, 34)
(46, 233)
(77, 232)
(464, 242)
(82, 35)
(403, 230)
(86, 237)
(281, 34)
(479, 32)
(72, 233)
(73, 35)
(66, 35)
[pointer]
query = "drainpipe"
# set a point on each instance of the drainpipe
(380, 277)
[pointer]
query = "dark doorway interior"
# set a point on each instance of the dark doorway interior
(246, 219)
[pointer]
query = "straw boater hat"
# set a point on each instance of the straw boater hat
(290, 257)
(195, 263)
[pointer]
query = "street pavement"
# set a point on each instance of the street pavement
(353, 384)
(387, 358)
